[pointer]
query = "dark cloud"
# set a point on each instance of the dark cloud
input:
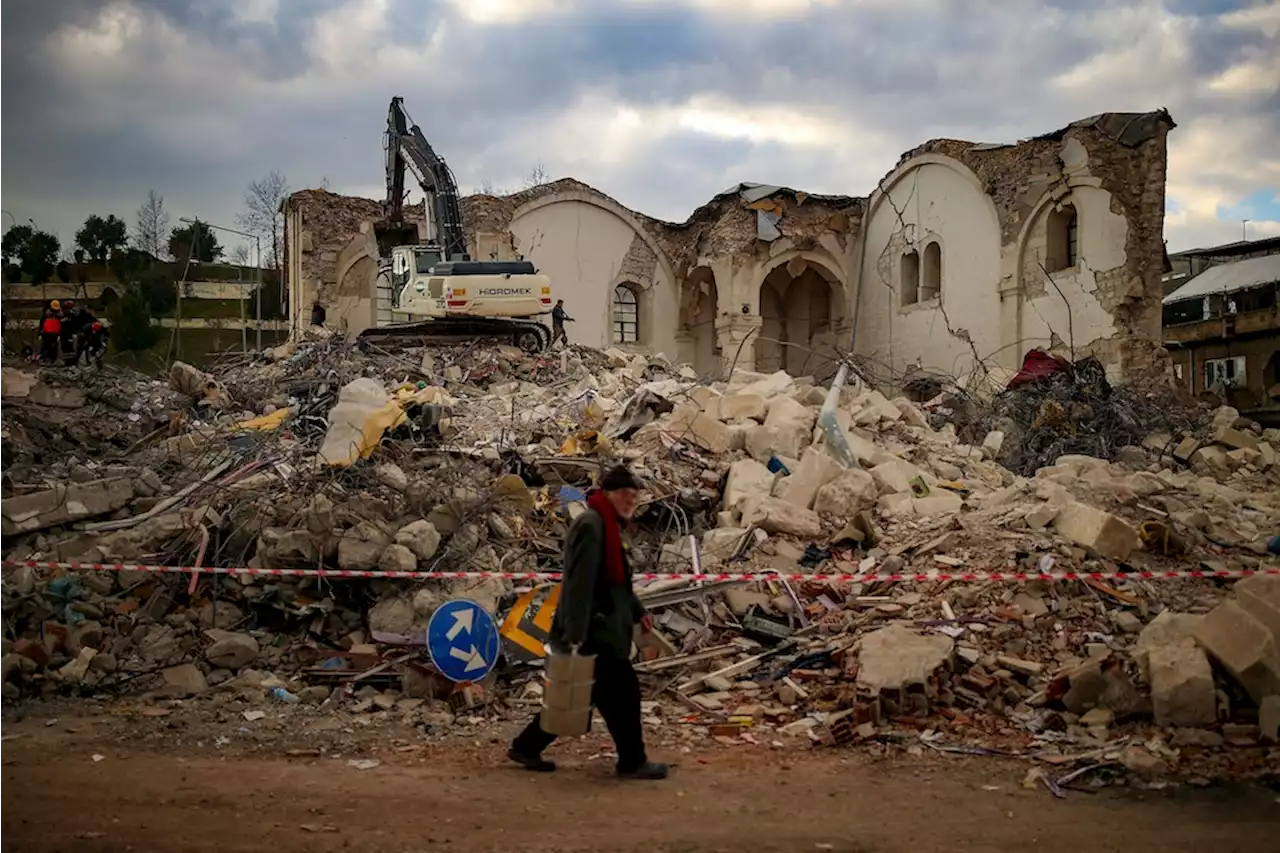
(243, 96)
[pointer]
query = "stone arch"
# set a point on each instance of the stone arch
(699, 308)
(588, 244)
(596, 199)
(802, 305)
(916, 162)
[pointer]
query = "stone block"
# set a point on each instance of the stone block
(1260, 595)
(397, 558)
(786, 413)
(747, 478)
(1211, 461)
(774, 515)
(1244, 647)
(1234, 438)
(911, 414)
(1099, 531)
(765, 441)
(895, 476)
(896, 657)
(184, 680)
(850, 492)
(230, 649)
(1182, 691)
(938, 503)
(721, 542)
(992, 443)
(815, 470)
(1167, 629)
(743, 405)
(1185, 448)
(420, 537)
(688, 423)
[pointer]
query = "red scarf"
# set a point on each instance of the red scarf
(612, 536)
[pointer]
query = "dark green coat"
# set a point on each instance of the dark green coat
(593, 612)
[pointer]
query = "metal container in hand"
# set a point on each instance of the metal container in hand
(566, 693)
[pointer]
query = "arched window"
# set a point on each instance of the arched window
(626, 315)
(931, 276)
(1063, 239)
(909, 284)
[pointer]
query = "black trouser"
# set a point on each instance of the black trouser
(616, 695)
(557, 334)
(49, 347)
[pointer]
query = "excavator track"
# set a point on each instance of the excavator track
(528, 335)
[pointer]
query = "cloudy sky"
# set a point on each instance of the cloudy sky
(660, 103)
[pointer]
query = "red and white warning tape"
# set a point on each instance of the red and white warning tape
(850, 577)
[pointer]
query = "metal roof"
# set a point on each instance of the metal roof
(1229, 278)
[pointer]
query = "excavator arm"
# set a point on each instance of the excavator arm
(408, 148)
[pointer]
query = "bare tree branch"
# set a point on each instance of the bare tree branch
(151, 229)
(262, 215)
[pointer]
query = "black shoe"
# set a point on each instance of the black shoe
(648, 770)
(536, 763)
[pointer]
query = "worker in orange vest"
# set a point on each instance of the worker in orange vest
(50, 333)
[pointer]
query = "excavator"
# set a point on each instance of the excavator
(459, 299)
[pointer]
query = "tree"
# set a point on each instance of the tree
(239, 255)
(131, 329)
(262, 214)
(36, 252)
(100, 237)
(537, 176)
(204, 246)
(152, 226)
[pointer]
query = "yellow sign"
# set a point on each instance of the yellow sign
(527, 626)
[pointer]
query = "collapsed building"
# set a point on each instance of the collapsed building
(964, 257)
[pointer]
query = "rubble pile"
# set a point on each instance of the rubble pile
(329, 454)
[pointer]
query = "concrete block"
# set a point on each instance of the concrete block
(938, 503)
(721, 541)
(992, 444)
(896, 657)
(707, 400)
(1211, 461)
(1185, 448)
(1244, 647)
(911, 414)
(1100, 531)
(1182, 691)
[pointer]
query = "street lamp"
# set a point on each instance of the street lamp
(257, 242)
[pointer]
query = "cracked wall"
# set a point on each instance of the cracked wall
(999, 214)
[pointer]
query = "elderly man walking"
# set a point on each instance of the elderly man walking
(597, 613)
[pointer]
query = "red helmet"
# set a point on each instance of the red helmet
(97, 327)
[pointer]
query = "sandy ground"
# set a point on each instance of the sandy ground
(193, 794)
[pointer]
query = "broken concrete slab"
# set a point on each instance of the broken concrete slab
(63, 504)
(1234, 438)
(57, 396)
(1097, 530)
(896, 475)
(1244, 647)
(722, 542)
(896, 657)
(1182, 690)
(397, 558)
(763, 442)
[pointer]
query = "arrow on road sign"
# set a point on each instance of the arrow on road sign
(473, 658)
(462, 621)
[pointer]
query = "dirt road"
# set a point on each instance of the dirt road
(56, 797)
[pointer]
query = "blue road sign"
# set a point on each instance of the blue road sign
(463, 640)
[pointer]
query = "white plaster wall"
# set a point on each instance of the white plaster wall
(1080, 316)
(936, 202)
(581, 246)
